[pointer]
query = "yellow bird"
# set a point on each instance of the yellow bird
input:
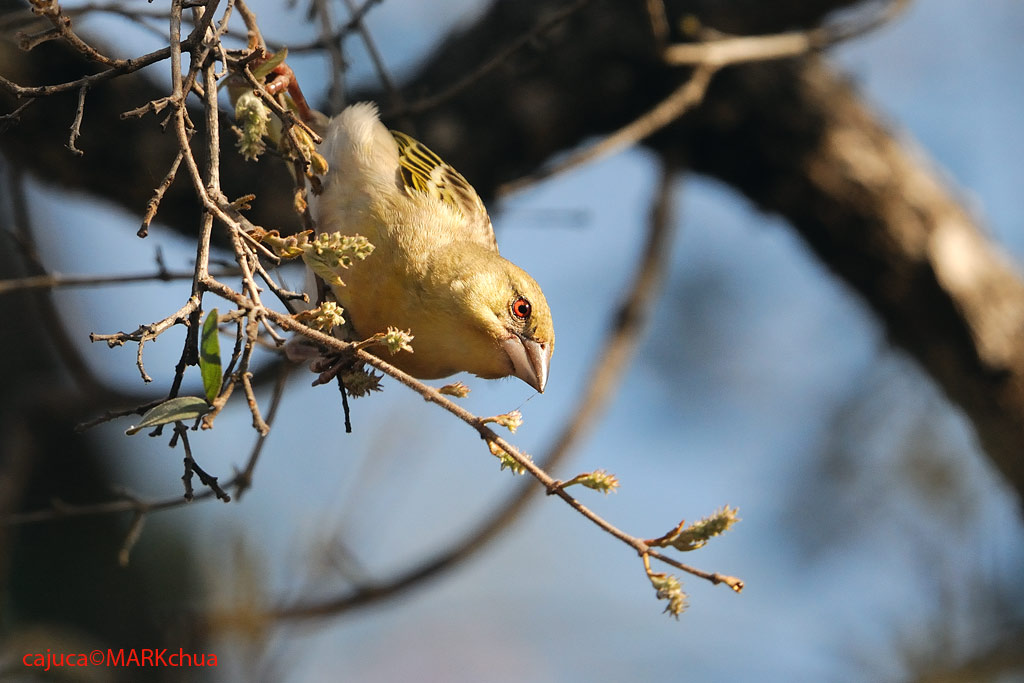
(435, 269)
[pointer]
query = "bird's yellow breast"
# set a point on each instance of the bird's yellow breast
(426, 296)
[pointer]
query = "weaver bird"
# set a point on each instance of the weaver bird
(435, 269)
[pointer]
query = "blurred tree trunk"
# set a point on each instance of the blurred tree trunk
(794, 136)
(63, 588)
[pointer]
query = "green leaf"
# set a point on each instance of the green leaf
(209, 357)
(264, 69)
(182, 408)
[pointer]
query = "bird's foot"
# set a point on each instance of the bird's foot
(284, 80)
(280, 79)
(331, 367)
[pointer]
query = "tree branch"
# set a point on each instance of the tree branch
(792, 135)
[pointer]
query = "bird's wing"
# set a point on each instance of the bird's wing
(421, 170)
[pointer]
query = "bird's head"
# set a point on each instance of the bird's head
(530, 333)
(511, 317)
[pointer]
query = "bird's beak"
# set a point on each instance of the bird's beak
(530, 359)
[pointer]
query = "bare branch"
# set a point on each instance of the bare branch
(243, 480)
(129, 66)
(76, 126)
(682, 99)
(51, 10)
(736, 50)
(394, 94)
(58, 281)
(158, 195)
(542, 27)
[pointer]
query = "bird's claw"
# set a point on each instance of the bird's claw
(283, 80)
(330, 367)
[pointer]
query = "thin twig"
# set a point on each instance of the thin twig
(57, 332)
(62, 26)
(30, 42)
(141, 17)
(287, 116)
(659, 23)
(527, 38)
(346, 410)
(62, 510)
(258, 422)
(708, 57)
(714, 577)
(219, 402)
(180, 430)
(681, 100)
(739, 49)
(629, 319)
(324, 42)
(286, 297)
(243, 480)
(240, 481)
(252, 27)
(743, 49)
(58, 281)
(129, 66)
(236, 352)
(115, 414)
(158, 195)
(11, 119)
(131, 538)
(192, 467)
(383, 75)
(150, 331)
(76, 125)
(212, 170)
(334, 47)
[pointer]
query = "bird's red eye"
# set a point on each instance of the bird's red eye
(521, 308)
